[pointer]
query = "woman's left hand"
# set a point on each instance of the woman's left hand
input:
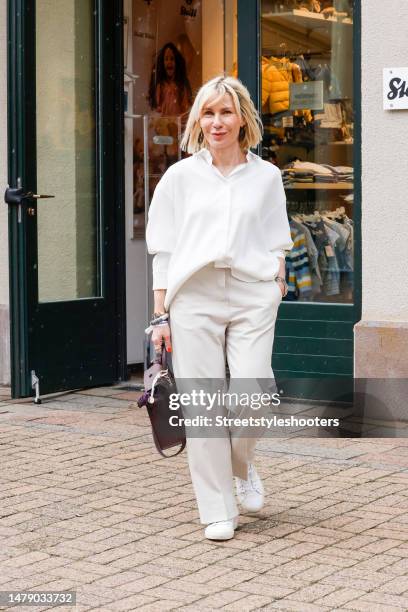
(281, 287)
(282, 274)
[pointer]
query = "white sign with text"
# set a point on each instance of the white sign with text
(395, 88)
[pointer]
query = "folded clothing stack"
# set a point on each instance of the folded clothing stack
(290, 176)
(309, 172)
(325, 178)
(343, 173)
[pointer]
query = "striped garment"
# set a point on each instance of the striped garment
(297, 267)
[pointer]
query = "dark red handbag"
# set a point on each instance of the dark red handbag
(159, 384)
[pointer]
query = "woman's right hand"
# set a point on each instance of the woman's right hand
(160, 334)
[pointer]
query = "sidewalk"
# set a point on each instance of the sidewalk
(87, 504)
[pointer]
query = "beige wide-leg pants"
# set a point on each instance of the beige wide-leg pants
(215, 317)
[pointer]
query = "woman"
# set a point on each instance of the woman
(170, 90)
(218, 230)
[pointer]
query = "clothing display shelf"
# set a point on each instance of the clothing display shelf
(309, 205)
(302, 28)
(306, 19)
(325, 186)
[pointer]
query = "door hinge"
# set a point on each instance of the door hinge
(35, 384)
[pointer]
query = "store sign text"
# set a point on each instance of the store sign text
(395, 88)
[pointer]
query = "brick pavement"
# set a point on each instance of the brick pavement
(88, 504)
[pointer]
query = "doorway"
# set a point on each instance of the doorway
(170, 49)
(65, 176)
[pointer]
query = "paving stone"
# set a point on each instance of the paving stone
(296, 606)
(120, 562)
(290, 568)
(310, 593)
(167, 593)
(92, 568)
(397, 586)
(298, 550)
(339, 597)
(316, 572)
(355, 579)
(210, 573)
(376, 563)
(233, 579)
(130, 603)
(186, 566)
(161, 605)
(221, 599)
(145, 583)
(248, 603)
(273, 587)
(259, 564)
(380, 601)
(26, 559)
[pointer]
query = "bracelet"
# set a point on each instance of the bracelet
(160, 319)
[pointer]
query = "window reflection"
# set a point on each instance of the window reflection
(67, 225)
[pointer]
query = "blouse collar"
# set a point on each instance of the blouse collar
(206, 155)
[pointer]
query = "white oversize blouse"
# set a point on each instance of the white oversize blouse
(198, 216)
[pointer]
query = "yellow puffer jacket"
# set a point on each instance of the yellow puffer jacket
(267, 78)
(276, 76)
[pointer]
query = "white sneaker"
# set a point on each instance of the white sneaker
(222, 530)
(250, 492)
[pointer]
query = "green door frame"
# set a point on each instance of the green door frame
(24, 305)
(320, 337)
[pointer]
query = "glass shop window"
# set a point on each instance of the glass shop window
(175, 47)
(307, 111)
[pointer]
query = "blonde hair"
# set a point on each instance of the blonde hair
(243, 104)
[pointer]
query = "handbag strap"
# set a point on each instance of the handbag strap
(182, 447)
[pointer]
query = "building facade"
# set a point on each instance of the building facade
(93, 111)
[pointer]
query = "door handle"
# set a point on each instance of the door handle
(16, 196)
(37, 196)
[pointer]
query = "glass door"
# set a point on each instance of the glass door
(65, 194)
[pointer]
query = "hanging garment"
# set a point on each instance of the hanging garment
(327, 257)
(332, 280)
(313, 256)
(297, 267)
(348, 281)
(276, 76)
(340, 245)
(346, 274)
(313, 71)
(349, 250)
(331, 116)
(266, 79)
